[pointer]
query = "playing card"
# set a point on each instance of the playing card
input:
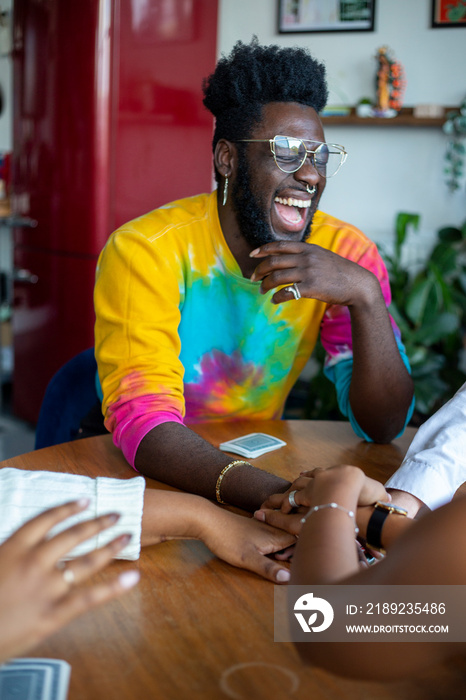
(34, 679)
(252, 445)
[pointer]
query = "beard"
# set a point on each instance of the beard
(251, 211)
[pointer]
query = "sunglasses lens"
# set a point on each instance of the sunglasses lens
(328, 159)
(322, 158)
(289, 153)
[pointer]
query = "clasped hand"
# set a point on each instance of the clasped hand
(278, 512)
(319, 273)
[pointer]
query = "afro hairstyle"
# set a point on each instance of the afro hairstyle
(253, 76)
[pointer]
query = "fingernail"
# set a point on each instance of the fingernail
(259, 515)
(113, 517)
(129, 578)
(253, 277)
(83, 502)
(253, 252)
(124, 539)
(283, 575)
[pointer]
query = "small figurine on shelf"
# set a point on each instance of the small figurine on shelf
(391, 84)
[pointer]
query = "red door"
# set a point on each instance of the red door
(108, 124)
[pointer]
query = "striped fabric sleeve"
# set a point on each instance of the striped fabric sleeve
(26, 494)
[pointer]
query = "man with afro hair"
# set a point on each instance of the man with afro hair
(221, 297)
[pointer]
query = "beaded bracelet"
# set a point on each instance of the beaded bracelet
(350, 513)
(222, 474)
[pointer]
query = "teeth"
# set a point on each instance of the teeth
(290, 202)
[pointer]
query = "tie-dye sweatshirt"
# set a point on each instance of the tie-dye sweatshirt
(181, 335)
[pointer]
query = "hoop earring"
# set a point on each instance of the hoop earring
(225, 191)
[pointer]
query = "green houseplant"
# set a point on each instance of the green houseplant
(455, 128)
(430, 310)
(429, 307)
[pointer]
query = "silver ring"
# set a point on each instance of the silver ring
(291, 499)
(68, 576)
(67, 573)
(293, 289)
(311, 190)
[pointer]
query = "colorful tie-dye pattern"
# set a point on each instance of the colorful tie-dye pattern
(334, 333)
(181, 333)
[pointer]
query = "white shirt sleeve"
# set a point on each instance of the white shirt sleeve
(25, 494)
(435, 465)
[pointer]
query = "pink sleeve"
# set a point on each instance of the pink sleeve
(336, 324)
(128, 436)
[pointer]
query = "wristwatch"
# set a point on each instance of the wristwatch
(376, 522)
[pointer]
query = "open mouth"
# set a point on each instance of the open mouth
(292, 212)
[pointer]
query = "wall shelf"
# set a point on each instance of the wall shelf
(404, 118)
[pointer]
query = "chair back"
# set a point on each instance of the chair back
(69, 396)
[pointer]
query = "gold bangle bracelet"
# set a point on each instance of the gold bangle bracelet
(222, 474)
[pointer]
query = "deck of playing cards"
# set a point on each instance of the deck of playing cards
(252, 445)
(34, 679)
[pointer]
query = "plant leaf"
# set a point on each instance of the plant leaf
(427, 364)
(444, 257)
(432, 332)
(428, 391)
(417, 300)
(449, 234)
(403, 220)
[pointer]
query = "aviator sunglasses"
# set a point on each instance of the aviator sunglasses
(290, 153)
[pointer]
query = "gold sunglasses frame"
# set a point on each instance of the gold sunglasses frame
(309, 153)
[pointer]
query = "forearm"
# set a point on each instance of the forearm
(171, 515)
(175, 455)
(381, 389)
(393, 528)
(417, 555)
(326, 548)
(238, 540)
(407, 564)
(407, 501)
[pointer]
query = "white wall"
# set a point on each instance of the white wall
(388, 169)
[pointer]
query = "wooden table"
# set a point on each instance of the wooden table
(196, 627)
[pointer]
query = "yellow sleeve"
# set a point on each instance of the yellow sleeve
(137, 304)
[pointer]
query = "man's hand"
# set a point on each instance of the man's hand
(278, 512)
(319, 274)
(324, 275)
(36, 598)
(281, 500)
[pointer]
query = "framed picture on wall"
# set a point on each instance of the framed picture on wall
(448, 13)
(325, 16)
